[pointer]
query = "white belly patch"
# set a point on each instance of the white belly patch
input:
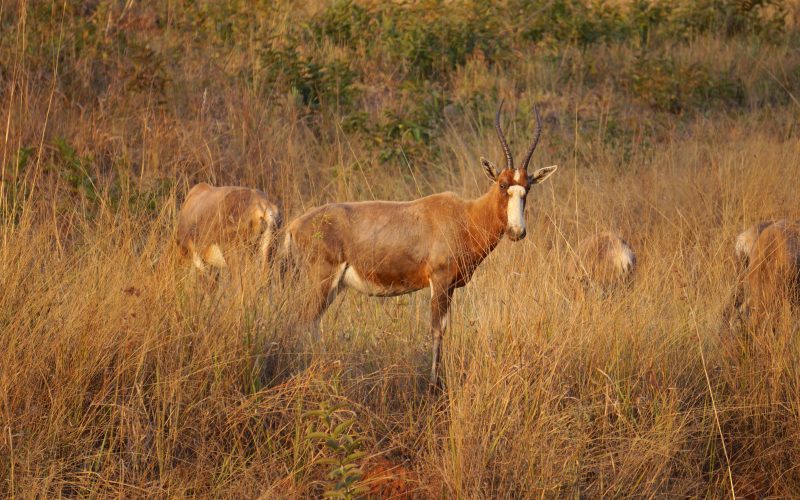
(353, 280)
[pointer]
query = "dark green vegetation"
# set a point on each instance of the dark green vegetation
(394, 76)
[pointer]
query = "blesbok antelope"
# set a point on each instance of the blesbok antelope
(601, 262)
(212, 218)
(736, 306)
(386, 248)
(773, 273)
(745, 242)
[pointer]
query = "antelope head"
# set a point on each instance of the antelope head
(511, 184)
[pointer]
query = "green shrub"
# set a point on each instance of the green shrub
(74, 170)
(667, 85)
(571, 21)
(766, 18)
(427, 39)
(587, 23)
(342, 21)
(316, 82)
(431, 39)
(411, 133)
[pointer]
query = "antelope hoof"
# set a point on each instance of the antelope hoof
(516, 235)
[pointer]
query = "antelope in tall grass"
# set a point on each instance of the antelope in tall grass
(767, 256)
(387, 248)
(773, 273)
(745, 242)
(735, 307)
(601, 262)
(212, 218)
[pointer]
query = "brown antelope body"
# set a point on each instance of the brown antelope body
(736, 308)
(385, 248)
(601, 262)
(212, 218)
(773, 273)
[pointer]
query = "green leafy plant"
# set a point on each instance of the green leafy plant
(339, 450)
(74, 169)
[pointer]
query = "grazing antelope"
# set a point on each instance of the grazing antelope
(385, 248)
(745, 242)
(212, 218)
(773, 273)
(601, 262)
(736, 307)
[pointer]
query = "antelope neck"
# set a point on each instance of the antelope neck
(487, 223)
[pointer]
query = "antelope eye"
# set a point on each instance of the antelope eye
(503, 186)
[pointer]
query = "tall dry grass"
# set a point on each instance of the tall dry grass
(120, 375)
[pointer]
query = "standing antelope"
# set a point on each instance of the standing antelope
(385, 248)
(212, 218)
(601, 262)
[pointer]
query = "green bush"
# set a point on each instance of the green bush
(667, 85)
(316, 82)
(766, 18)
(571, 21)
(430, 39)
(74, 170)
(427, 39)
(344, 22)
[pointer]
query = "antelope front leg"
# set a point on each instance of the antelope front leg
(324, 286)
(733, 311)
(440, 306)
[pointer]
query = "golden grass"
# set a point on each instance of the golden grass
(119, 377)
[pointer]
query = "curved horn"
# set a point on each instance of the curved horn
(535, 138)
(499, 129)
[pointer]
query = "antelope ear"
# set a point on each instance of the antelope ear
(489, 169)
(540, 175)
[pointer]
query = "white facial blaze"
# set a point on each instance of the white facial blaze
(516, 205)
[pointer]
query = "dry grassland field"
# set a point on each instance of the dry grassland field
(126, 373)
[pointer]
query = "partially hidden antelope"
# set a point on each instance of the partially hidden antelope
(773, 271)
(600, 263)
(387, 248)
(764, 271)
(215, 222)
(745, 242)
